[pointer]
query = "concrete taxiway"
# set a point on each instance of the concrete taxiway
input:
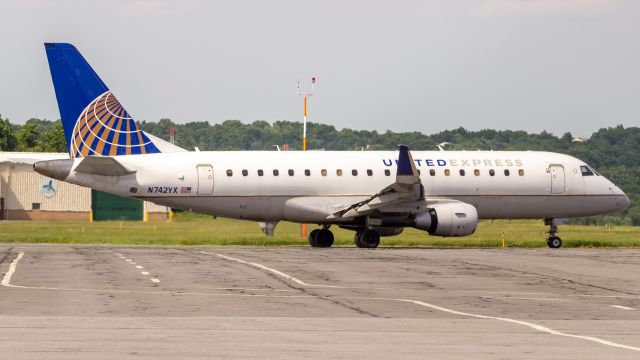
(106, 302)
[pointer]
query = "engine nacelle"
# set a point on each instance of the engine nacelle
(450, 219)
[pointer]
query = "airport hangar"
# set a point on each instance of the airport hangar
(27, 195)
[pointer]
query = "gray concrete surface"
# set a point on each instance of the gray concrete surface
(108, 302)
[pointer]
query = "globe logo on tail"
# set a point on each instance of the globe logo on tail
(104, 128)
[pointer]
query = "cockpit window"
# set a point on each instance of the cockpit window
(586, 171)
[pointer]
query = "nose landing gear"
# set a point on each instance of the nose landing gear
(554, 241)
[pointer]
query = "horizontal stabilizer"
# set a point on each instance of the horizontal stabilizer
(105, 166)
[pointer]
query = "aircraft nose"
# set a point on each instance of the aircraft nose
(624, 201)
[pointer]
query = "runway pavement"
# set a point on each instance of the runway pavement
(108, 302)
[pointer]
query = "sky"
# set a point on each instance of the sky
(554, 65)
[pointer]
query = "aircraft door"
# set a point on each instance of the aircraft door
(557, 179)
(205, 179)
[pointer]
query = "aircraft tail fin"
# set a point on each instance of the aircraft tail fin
(94, 121)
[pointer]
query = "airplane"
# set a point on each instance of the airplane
(373, 193)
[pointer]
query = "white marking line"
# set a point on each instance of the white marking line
(610, 296)
(451, 311)
(522, 298)
(622, 307)
(139, 267)
(128, 259)
(145, 273)
(274, 271)
(155, 280)
(166, 292)
(524, 323)
(6, 280)
(503, 292)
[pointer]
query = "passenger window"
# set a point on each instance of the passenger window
(521, 172)
(323, 172)
(447, 172)
(506, 172)
(339, 172)
(260, 172)
(229, 172)
(476, 172)
(245, 172)
(290, 172)
(307, 172)
(276, 172)
(586, 171)
(461, 172)
(387, 172)
(369, 172)
(432, 172)
(492, 172)
(354, 172)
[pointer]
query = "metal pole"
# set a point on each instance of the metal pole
(304, 126)
(303, 227)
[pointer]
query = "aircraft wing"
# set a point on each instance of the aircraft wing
(401, 196)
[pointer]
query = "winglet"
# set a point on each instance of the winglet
(407, 172)
(406, 190)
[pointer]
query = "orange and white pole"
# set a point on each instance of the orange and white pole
(303, 227)
(304, 126)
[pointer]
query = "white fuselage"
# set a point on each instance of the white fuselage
(311, 185)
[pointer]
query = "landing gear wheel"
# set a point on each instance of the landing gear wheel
(369, 238)
(554, 242)
(313, 238)
(356, 238)
(321, 238)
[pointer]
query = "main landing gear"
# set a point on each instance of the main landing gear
(321, 237)
(367, 238)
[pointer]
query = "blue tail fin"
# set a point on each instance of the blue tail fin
(94, 122)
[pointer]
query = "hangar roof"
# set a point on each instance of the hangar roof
(29, 158)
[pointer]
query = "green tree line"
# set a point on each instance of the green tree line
(615, 151)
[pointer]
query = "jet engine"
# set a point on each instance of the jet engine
(448, 219)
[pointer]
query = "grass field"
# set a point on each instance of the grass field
(190, 229)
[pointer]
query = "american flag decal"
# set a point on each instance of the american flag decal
(185, 190)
